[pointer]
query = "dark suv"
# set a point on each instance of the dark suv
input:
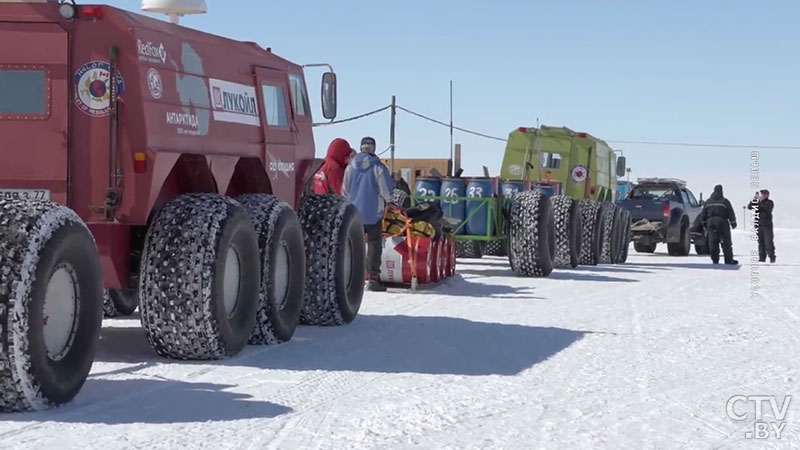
(663, 210)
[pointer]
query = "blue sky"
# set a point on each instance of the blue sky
(710, 71)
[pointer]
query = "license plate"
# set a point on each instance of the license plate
(25, 194)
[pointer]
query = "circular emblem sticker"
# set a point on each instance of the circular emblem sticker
(578, 173)
(154, 82)
(93, 89)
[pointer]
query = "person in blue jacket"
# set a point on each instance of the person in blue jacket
(368, 185)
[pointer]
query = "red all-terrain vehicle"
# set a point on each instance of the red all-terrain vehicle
(163, 167)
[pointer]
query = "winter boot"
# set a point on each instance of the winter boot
(772, 259)
(732, 262)
(376, 286)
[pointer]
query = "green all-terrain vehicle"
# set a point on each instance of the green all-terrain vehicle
(582, 171)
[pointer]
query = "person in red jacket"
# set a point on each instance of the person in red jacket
(328, 179)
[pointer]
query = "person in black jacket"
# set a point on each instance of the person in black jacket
(400, 183)
(719, 217)
(763, 220)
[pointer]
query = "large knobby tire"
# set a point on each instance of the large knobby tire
(120, 302)
(51, 300)
(644, 248)
(592, 232)
(684, 246)
(199, 278)
(283, 267)
(626, 242)
(621, 232)
(469, 249)
(532, 235)
(610, 233)
(568, 223)
(496, 248)
(335, 260)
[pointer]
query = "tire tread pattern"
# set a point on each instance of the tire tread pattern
(264, 211)
(25, 229)
(322, 218)
(609, 228)
(176, 299)
(531, 225)
(591, 226)
(564, 213)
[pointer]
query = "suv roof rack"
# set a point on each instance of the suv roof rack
(657, 180)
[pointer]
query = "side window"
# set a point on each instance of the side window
(692, 200)
(685, 197)
(24, 93)
(299, 95)
(551, 160)
(275, 106)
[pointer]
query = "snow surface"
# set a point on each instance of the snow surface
(640, 356)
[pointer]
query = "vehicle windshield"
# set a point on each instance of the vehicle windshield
(653, 193)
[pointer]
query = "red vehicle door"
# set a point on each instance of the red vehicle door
(280, 132)
(33, 111)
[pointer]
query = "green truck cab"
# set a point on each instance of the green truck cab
(580, 165)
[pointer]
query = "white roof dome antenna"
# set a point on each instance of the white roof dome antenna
(175, 8)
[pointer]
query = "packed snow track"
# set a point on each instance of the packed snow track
(644, 355)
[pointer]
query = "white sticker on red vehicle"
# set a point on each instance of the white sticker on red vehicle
(155, 84)
(151, 52)
(188, 124)
(234, 102)
(276, 165)
(578, 173)
(93, 88)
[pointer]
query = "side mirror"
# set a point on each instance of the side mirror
(329, 95)
(621, 166)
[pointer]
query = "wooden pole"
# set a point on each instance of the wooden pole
(451, 128)
(456, 162)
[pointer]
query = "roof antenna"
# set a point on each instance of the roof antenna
(175, 8)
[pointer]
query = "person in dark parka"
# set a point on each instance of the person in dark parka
(766, 243)
(719, 217)
(400, 183)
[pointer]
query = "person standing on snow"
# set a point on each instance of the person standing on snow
(763, 206)
(719, 217)
(328, 179)
(368, 185)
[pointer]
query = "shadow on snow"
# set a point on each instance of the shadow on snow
(703, 265)
(574, 275)
(157, 401)
(458, 286)
(383, 344)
